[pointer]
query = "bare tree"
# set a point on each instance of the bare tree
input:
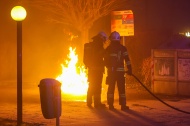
(78, 14)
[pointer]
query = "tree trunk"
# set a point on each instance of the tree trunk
(84, 36)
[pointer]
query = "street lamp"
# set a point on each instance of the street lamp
(18, 13)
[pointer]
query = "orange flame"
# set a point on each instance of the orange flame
(73, 78)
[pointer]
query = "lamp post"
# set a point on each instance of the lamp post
(18, 13)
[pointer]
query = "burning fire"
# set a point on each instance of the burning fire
(73, 78)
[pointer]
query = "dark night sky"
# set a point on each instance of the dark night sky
(169, 13)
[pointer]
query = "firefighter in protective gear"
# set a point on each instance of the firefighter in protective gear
(93, 60)
(116, 57)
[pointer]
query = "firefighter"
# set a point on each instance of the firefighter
(116, 62)
(93, 60)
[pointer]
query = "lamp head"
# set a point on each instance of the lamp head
(18, 13)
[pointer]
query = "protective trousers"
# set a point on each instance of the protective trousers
(95, 87)
(113, 79)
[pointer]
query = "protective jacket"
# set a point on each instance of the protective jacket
(115, 55)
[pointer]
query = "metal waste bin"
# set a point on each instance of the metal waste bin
(50, 97)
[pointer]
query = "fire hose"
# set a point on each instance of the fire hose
(158, 97)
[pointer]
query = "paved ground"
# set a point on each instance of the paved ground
(144, 111)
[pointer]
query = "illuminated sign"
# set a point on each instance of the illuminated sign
(123, 22)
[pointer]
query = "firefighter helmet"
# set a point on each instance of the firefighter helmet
(101, 35)
(114, 36)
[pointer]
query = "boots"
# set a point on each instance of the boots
(97, 102)
(100, 106)
(124, 107)
(89, 100)
(122, 102)
(110, 100)
(111, 107)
